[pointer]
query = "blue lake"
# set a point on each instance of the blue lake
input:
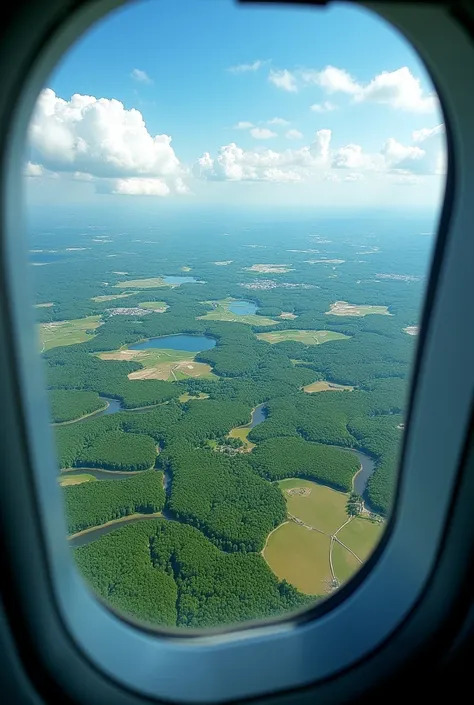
(190, 343)
(177, 281)
(243, 308)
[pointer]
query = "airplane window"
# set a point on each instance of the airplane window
(231, 212)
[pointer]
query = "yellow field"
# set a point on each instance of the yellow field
(322, 507)
(187, 397)
(242, 432)
(158, 306)
(112, 297)
(301, 557)
(307, 337)
(171, 365)
(59, 333)
(65, 481)
(287, 315)
(269, 268)
(151, 283)
(362, 536)
(221, 312)
(323, 386)
(344, 563)
(342, 308)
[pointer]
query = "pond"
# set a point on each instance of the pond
(190, 343)
(243, 308)
(177, 281)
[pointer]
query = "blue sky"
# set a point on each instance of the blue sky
(196, 69)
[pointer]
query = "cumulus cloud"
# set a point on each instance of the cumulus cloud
(33, 170)
(246, 68)
(293, 135)
(278, 121)
(283, 79)
(262, 133)
(333, 80)
(141, 76)
(140, 187)
(319, 160)
(99, 137)
(325, 107)
(243, 125)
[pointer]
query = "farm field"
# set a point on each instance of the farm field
(307, 337)
(67, 481)
(158, 306)
(171, 365)
(269, 268)
(189, 397)
(149, 283)
(221, 312)
(323, 386)
(112, 297)
(361, 536)
(315, 504)
(343, 308)
(60, 333)
(345, 564)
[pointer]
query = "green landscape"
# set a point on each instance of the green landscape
(215, 472)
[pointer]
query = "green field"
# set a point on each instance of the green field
(343, 308)
(160, 306)
(323, 386)
(172, 365)
(112, 297)
(242, 432)
(301, 557)
(67, 480)
(189, 397)
(59, 333)
(220, 312)
(361, 536)
(307, 337)
(150, 283)
(323, 508)
(344, 563)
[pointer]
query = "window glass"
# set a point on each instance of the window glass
(231, 216)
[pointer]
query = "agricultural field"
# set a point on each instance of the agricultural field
(150, 283)
(47, 305)
(157, 306)
(315, 504)
(242, 432)
(361, 535)
(307, 337)
(287, 315)
(112, 297)
(220, 312)
(323, 386)
(269, 268)
(190, 397)
(343, 308)
(171, 365)
(65, 480)
(60, 333)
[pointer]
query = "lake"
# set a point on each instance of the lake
(177, 281)
(190, 343)
(242, 308)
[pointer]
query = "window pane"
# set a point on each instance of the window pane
(232, 212)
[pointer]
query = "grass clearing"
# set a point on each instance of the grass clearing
(242, 432)
(167, 365)
(60, 333)
(307, 337)
(343, 308)
(157, 306)
(48, 305)
(269, 268)
(299, 556)
(221, 312)
(75, 479)
(287, 315)
(189, 397)
(344, 563)
(362, 536)
(320, 506)
(323, 386)
(150, 283)
(112, 297)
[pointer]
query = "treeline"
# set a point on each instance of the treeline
(279, 458)
(167, 573)
(66, 405)
(223, 497)
(117, 450)
(95, 503)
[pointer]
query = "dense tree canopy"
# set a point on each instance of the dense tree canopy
(67, 405)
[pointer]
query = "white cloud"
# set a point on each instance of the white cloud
(33, 170)
(278, 121)
(399, 89)
(245, 68)
(352, 156)
(141, 76)
(333, 80)
(262, 133)
(99, 137)
(325, 107)
(293, 135)
(431, 156)
(283, 79)
(355, 176)
(243, 125)
(140, 187)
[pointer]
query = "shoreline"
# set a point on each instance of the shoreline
(122, 520)
(86, 416)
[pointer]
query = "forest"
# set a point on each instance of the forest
(203, 560)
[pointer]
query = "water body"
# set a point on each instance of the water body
(177, 281)
(114, 406)
(242, 308)
(362, 477)
(91, 536)
(190, 343)
(259, 414)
